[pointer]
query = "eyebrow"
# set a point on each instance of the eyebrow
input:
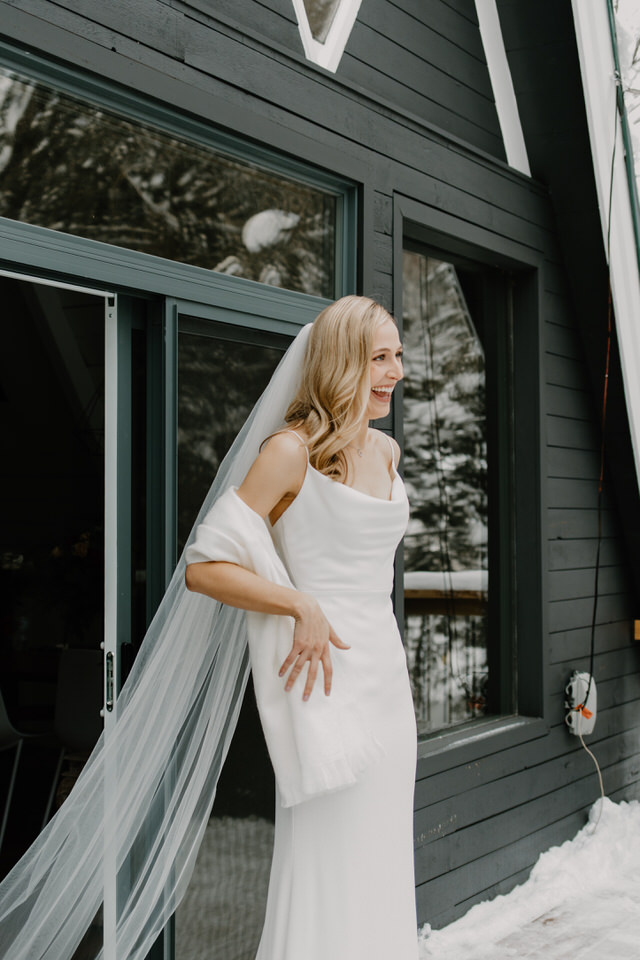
(381, 349)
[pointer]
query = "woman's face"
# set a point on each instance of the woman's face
(385, 368)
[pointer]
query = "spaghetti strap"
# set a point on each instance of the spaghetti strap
(393, 455)
(302, 443)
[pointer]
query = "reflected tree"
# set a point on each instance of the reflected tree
(446, 476)
(70, 166)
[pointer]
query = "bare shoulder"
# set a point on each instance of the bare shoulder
(277, 473)
(286, 448)
(383, 440)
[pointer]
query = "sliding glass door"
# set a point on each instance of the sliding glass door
(221, 371)
(116, 414)
(58, 563)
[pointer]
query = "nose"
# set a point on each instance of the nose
(396, 370)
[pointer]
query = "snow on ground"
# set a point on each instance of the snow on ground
(582, 899)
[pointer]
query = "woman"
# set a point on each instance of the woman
(342, 878)
(342, 885)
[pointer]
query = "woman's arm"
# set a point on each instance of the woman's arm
(277, 474)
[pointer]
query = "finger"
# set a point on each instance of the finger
(311, 678)
(291, 659)
(295, 673)
(337, 642)
(328, 672)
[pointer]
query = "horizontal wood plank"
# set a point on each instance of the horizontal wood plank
(573, 464)
(419, 39)
(607, 665)
(575, 643)
(576, 492)
(562, 431)
(565, 372)
(580, 554)
(570, 614)
(561, 340)
(575, 584)
(567, 524)
(564, 401)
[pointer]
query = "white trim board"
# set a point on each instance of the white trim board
(329, 53)
(502, 85)
(597, 66)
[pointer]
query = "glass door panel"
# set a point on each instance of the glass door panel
(221, 372)
(52, 545)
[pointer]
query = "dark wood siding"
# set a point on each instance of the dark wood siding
(424, 59)
(481, 825)
(410, 115)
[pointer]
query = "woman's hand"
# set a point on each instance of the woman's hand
(312, 635)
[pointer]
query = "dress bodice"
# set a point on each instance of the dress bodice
(336, 538)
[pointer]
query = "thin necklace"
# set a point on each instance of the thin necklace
(357, 449)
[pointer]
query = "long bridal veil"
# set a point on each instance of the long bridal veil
(135, 818)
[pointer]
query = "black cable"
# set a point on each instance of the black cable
(603, 418)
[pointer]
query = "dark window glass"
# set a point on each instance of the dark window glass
(446, 547)
(321, 14)
(71, 166)
(219, 379)
(52, 411)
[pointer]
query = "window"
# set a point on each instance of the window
(320, 14)
(456, 436)
(325, 27)
(81, 168)
(222, 370)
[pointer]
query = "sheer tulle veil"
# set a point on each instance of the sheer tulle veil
(142, 802)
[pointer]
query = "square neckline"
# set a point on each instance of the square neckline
(363, 493)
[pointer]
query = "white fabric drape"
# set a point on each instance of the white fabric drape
(316, 746)
(174, 720)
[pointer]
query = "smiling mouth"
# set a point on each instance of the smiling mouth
(382, 393)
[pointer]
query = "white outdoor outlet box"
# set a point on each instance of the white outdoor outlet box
(581, 702)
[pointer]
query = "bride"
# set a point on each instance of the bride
(342, 881)
(293, 551)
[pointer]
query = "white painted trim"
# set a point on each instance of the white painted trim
(597, 65)
(110, 869)
(329, 53)
(28, 278)
(502, 84)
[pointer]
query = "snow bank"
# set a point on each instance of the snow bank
(597, 869)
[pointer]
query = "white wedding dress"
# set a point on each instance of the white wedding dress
(342, 880)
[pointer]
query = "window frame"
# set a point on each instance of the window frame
(148, 269)
(522, 617)
(327, 53)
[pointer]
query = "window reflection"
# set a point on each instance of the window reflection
(321, 14)
(445, 552)
(219, 379)
(75, 167)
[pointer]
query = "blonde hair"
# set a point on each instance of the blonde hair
(335, 386)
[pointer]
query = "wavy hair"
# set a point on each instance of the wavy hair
(335, 386)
